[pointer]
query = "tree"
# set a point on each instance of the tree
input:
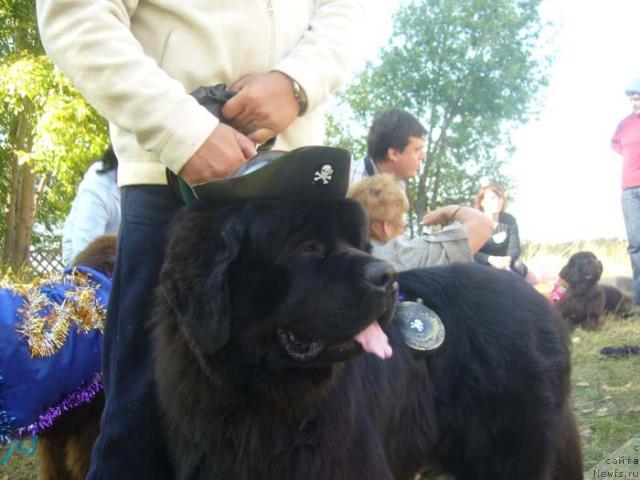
(470, 70)
(48, 134)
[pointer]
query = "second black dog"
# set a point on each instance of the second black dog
(586, 301)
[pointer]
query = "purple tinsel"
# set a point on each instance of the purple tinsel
(84, 394)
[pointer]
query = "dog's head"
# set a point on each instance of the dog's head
(280, 284)
(583, 270)
(100, 254)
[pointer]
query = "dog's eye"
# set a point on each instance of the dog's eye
(311, 248)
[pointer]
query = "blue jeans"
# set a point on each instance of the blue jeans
(131, 445)
(631, 212)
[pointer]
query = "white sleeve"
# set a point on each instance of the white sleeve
(321, 59)
(91, 41)
(90, 219)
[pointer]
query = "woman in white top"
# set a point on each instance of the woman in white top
(96, 208)
(386, 204)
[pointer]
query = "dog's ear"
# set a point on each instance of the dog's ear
(100, 254)
(600, 268)
(193, 283)
(568, 272)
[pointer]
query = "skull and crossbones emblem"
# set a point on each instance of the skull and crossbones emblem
(417, 325)
(324, 174)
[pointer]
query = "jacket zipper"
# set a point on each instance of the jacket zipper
(270, 34)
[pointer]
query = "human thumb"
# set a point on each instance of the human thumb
(247, 147)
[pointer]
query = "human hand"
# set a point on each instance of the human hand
(264, 106)
(222, 153)
(503, 263)
(440, 216)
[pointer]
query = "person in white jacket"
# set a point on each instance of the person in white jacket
(95, 210)
(136, 61)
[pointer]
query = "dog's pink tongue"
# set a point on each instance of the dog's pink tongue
(374, 340)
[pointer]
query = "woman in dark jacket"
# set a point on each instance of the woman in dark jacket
(502, 250)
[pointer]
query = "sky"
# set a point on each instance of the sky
(566, 177)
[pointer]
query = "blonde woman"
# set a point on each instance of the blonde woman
(385, 203)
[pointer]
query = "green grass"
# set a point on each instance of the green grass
(20, 467)
(606, 391)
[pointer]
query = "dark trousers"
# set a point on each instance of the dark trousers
(631, 213)
(130, 445)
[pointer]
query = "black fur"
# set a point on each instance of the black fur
(493, 403)
(586, 301)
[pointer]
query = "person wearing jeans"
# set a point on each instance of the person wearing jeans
(631, 213)
(626, 142)
(127, 365)
(136, 61)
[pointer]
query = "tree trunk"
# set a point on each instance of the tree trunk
(22, 207)
(26, 218)
(435, 192)
(10, 219)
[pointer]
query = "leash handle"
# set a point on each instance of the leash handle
(213, 98)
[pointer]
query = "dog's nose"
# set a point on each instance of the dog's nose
(379, 274)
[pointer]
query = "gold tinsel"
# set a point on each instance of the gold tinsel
(45, 324)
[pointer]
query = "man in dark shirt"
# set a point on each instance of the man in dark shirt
(395, 145)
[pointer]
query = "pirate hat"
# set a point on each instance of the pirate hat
(304, 173)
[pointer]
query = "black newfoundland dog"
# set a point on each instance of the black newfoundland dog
(263, 315)
(586, 300)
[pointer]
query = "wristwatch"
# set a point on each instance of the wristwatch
(301, 97)
(298, 93)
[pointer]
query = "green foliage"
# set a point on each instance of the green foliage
(341, 134)
(18, 30)
(65, 134)
(470, 70)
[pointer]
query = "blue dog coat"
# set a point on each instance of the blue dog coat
(50, 348)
